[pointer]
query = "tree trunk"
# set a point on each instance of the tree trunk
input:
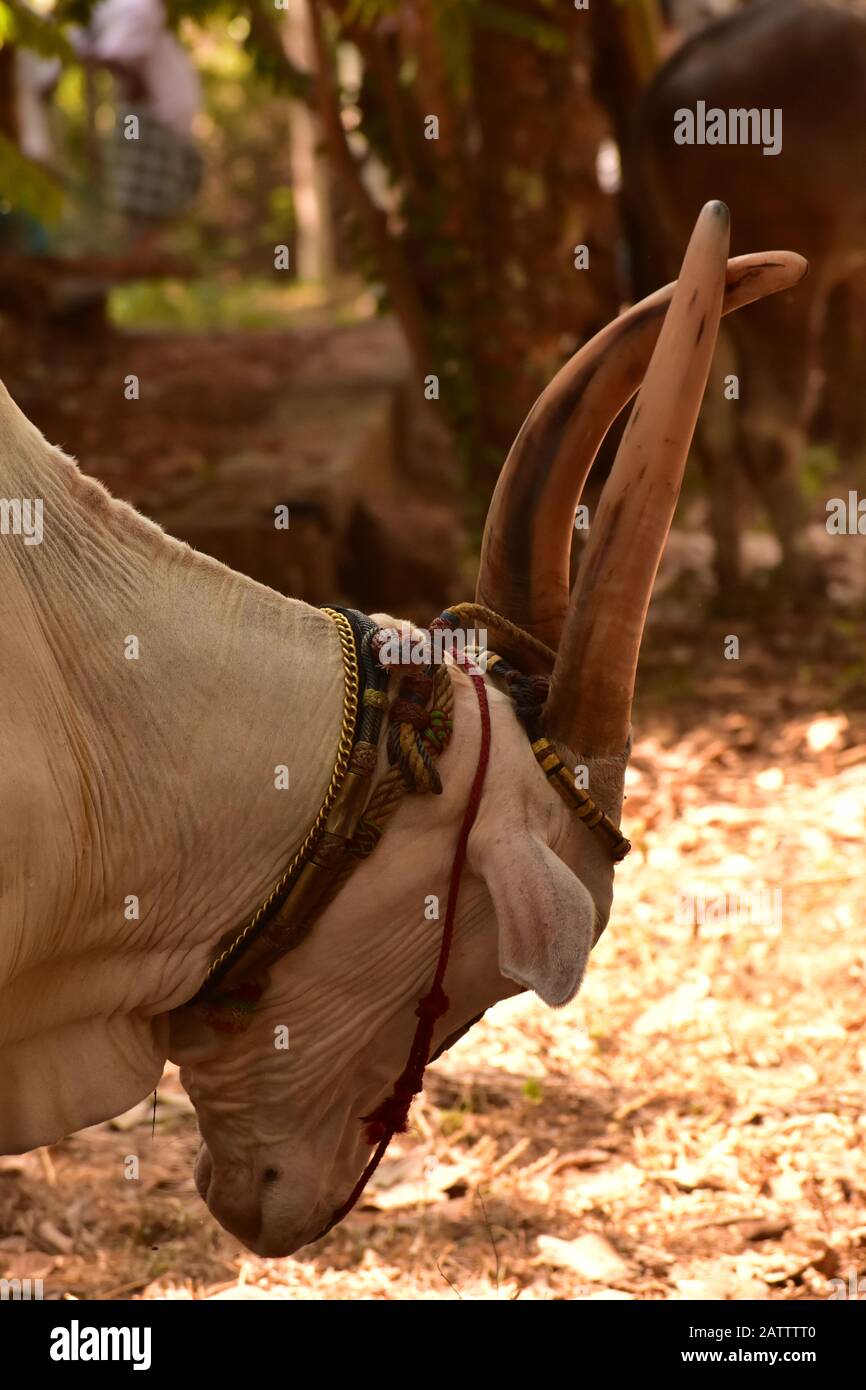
(478, 253)
(311, 191)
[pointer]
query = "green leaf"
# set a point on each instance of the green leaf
(367, 11)
(520, 26)
(29, 30)
(74, 11)
(453, 26)
(27, 187)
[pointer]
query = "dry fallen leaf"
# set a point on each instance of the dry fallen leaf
(590, 1256)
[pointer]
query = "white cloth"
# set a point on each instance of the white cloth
(133, 33)
(34, 78)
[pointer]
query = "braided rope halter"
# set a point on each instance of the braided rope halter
(528, 694)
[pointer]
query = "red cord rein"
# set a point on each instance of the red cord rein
(391, 1117)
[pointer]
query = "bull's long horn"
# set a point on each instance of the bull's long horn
(524, 566)
(591, 689)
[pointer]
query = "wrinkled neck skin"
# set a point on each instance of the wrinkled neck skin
(149, 778)
(147, 698)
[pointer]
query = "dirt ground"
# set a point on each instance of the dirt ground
(201, 398)
(692, 1127)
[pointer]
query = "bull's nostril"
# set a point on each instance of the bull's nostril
(271, 1175)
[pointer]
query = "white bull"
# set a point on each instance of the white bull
(147, 695)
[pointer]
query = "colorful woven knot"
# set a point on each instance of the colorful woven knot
(365, 758)
(439, 729)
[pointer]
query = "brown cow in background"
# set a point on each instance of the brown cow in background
(806, 59)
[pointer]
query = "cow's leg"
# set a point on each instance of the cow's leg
(725, 492)
(778, 374)
(718, 447)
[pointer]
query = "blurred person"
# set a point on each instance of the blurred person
(153, 164)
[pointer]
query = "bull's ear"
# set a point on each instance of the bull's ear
(544, 915)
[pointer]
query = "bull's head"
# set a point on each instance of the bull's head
(283, 1138)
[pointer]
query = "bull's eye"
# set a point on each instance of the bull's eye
(270, 1175)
